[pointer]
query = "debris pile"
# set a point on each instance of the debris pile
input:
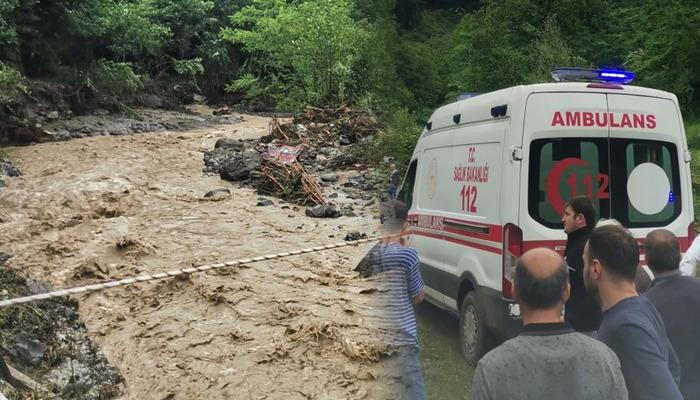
(318, 126)
(290, 182)
(288, 162)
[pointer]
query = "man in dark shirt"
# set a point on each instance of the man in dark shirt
(581, 311)
(631, 326)
(677, 298)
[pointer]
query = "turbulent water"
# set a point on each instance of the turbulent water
(99, 208)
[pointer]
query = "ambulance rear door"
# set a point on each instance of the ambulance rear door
(649, 175)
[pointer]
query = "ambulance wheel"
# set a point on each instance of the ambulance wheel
(473, 336)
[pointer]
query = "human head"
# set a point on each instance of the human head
(611, 256)
(578, 213)
(663, 252)
(541, 281)
(392, 166)
(393, 216)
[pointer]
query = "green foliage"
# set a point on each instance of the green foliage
(247, 84)
(665, 49)
(129, 28)
(398, 140)
(113, 79)
(8, 34)
(9, 77)
(549, 51)
(310, 47)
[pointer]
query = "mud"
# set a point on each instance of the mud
(110, 207)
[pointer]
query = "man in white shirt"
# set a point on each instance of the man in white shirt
(691, 258)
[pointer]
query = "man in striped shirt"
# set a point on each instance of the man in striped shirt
(395, 268)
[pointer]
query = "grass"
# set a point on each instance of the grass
(446, 374)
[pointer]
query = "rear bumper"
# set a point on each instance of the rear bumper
(499, 313)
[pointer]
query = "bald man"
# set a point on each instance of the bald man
(548, 360)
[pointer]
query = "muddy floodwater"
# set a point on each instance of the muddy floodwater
(111, 207)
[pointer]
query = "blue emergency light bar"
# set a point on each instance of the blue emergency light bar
(592, 75)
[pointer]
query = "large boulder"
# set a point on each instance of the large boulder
(238, 166)
(323, 211)
(228, 143)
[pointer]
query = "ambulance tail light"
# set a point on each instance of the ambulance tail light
(512, 250)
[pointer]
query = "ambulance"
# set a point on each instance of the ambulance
(490, 175)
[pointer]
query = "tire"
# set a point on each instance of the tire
(473, 336)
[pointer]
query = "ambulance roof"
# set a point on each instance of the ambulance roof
(479, 108)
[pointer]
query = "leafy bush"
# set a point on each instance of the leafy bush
(9, 77)
(113, 79)
(308, 48)
(397, 140)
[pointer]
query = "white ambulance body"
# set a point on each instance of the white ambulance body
(490, 174)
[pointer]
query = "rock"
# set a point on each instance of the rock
(239, 166)
(366, 196)
(153, 101)
(199, 99)
(101, 111)
(387, 160)
(71, 372)
(228, 143)
(62, 134)
(265, 203)
(355, 235)
(333, 195)
(218, 193)
(7, 168)
(4, 257)
(37, 287)
(120, 132)
(385, 196)
(52, 115)
(322, 211)
(2, 183)
(344, 140)
(369, 203)
(28, 351)
(222, 111)
(329, 178)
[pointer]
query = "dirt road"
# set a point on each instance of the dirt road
(110, 207)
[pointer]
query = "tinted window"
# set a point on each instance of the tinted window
(561, 168)
(634, 181)
(646, 190)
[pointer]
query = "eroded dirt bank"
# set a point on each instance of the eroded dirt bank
(110, 207)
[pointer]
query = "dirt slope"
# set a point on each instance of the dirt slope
(111, 207)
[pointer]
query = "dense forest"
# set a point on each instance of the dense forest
(401, 58)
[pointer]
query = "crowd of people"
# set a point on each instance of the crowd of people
(596, 323)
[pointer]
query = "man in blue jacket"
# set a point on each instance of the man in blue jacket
(677, 298)
(631, 327)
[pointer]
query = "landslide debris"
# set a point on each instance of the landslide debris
(298, 159)
(48, 342)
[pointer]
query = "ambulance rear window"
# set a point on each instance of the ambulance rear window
(634, 181)
(561, 168)
(645, 182)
